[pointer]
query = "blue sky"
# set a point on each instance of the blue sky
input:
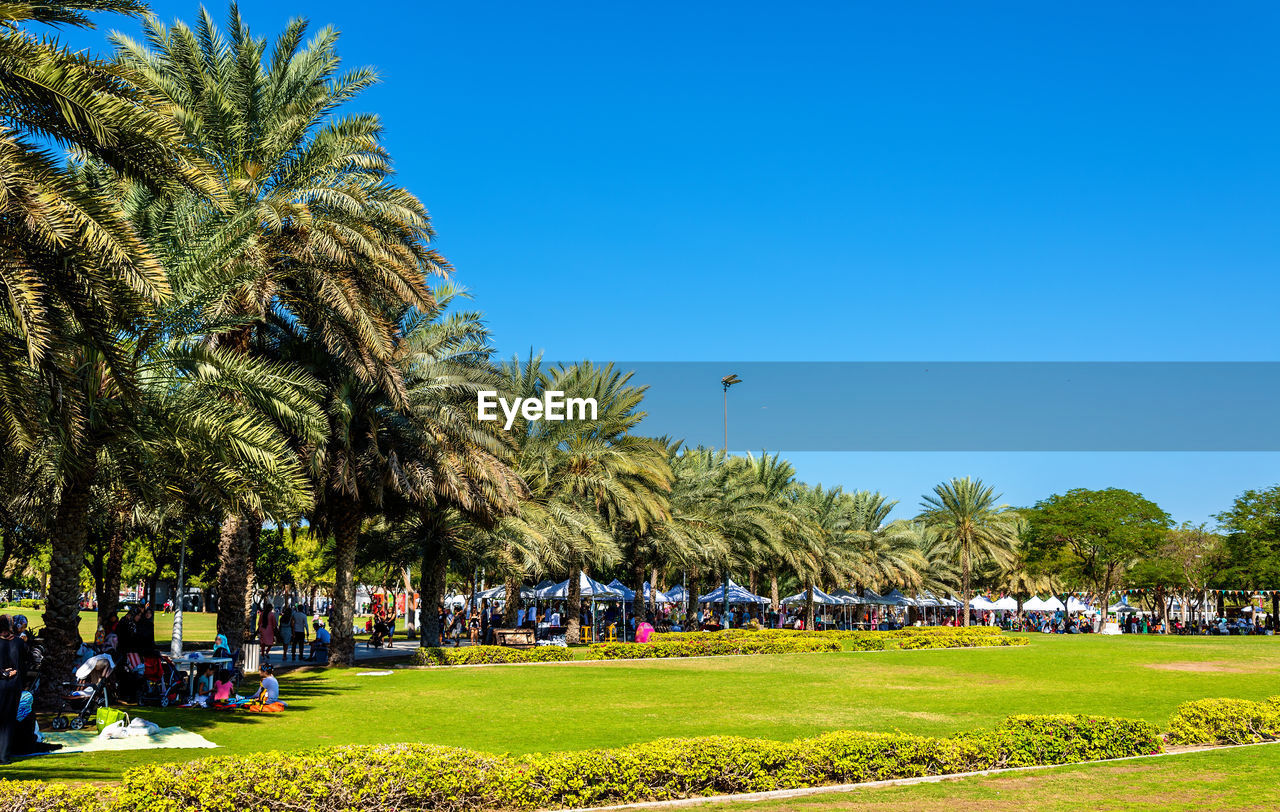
(850, 181)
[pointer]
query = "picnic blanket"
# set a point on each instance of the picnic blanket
(88, 741)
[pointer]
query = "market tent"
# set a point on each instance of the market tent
(846, 597)
(590, 589)
(677, 594)
(818, 597)
(1007, 604)
(1054, 605)
(1074, 605)
(736, 595)
(896, 598)
(657, 596)
(1122, 606)
(869, 596)
(618, 586)
(980, 602)
(1034, 604)
(498, 592)
(925, 600)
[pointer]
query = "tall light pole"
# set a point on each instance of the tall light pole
(726, 382)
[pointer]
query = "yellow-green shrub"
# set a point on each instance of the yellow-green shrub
(490, 655)
(1225, 721)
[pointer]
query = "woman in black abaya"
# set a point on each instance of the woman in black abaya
(10, 684)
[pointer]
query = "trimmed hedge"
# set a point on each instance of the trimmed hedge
(909, 638)
(430, 777)
(490, 655)
(1225, 721)
(38, 796)
(709, 645)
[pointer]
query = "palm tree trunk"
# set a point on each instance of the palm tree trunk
(964, 579)
(573, 623)
(69, 535)
(637, 602)
(410, 603)
(435, 564)
(808, 606)
(513, 603)
(345, 521)
(109, 596)
(233, 552)
(775, 600)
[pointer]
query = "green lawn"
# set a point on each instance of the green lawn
(1242, 778)
(198, 628)
(521, 709)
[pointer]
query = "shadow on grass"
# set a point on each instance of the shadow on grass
(301, 689)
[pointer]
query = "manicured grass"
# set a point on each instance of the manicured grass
(197, 627)
(1242, 778)
(521, 709)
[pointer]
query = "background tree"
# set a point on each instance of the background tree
(1094, 537)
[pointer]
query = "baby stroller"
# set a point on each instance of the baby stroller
(78, 702)
(381, 629)
(162, 681)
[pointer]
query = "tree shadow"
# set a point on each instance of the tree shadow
(301, 688)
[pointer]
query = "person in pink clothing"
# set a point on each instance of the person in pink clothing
(267, 630)
(643, 631)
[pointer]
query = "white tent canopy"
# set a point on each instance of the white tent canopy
(1054, 605)
(981, 602)
(590, 589)
(818, 597)
(1034, 604)
(1075, 605)
(1006, 604)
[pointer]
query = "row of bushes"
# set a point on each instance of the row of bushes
(709, 645)
(428, 777)
(780, 641)
(1225, 721)
(490, 655)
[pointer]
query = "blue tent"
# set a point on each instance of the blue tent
(589, 587)
(677, 594)
(736, 595)
(618, 586)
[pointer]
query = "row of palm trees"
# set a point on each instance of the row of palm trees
(223, 309)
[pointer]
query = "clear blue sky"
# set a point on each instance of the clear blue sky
(850, 181)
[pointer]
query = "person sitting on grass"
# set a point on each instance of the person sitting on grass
(223, 688)
(269, 693)
(204, 681)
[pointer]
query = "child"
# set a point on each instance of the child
(223, 688)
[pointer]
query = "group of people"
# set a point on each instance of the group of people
(134, 633)
(289, 628)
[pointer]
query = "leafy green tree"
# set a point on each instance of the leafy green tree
(1093, 537)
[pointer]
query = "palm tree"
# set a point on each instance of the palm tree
(73, 269)
(970, 526)
(314, 236)
(584, 478)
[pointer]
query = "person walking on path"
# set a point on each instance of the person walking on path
(285, 623)
(299, 634)
(267, 630)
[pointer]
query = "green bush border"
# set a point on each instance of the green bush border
(490, 655)
(431, 777)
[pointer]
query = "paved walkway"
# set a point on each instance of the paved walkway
(400, 648)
